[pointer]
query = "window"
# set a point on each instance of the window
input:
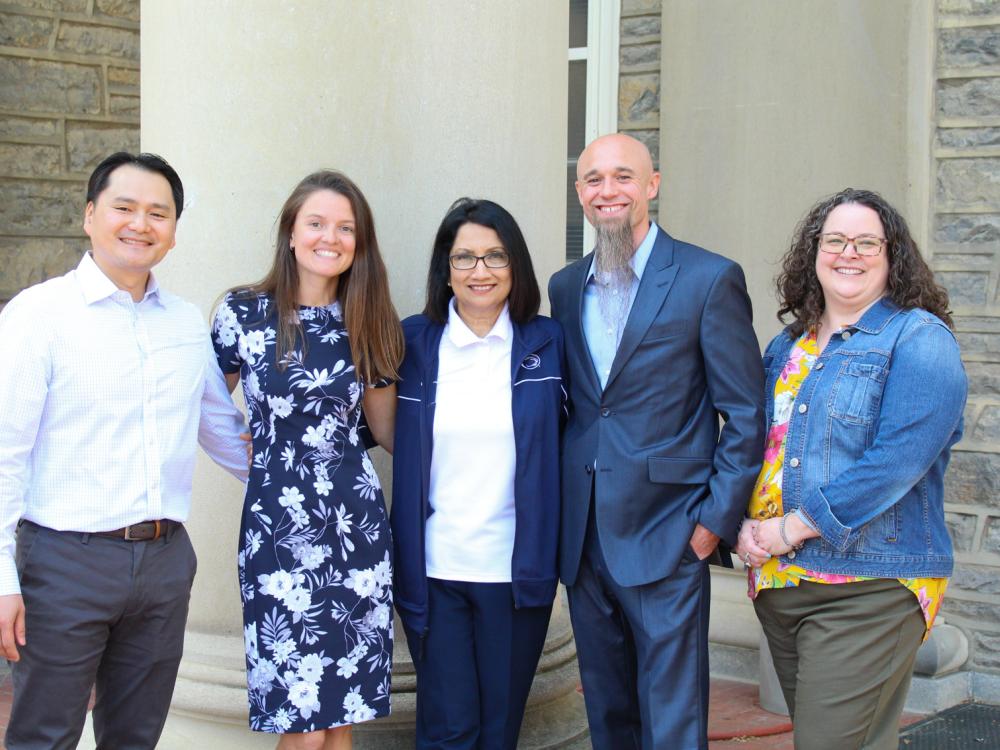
(593, 99)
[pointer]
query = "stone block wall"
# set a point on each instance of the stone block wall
(965, 238)
(639, 75)
(69, 95)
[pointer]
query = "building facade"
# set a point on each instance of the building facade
(751, 113)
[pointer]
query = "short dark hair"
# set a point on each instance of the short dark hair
(150, 162)
(525, 297)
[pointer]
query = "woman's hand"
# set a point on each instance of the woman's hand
(769, 537)
(747, 548)
(796, 532)
(246, 438)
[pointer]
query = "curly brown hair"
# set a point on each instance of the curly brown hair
(911, 281)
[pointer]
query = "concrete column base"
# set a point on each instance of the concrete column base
(209, 707)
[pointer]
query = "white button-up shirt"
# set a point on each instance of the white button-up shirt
(101, 402)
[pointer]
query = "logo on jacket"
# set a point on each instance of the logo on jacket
(531, 362)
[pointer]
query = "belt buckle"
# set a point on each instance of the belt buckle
(156, 532)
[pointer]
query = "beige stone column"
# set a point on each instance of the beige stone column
(420, 103)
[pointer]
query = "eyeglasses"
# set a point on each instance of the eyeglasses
(468, 261)
(864, 244)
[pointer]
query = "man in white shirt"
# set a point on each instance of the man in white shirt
(106, 384)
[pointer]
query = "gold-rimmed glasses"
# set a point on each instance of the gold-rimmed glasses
(864, 244)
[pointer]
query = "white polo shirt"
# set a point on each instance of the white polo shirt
(470, 534)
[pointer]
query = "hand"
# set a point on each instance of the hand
(703, 542)
(747, 548)
(796, 531)
(245, 436)
(11, 625)
(769, 537)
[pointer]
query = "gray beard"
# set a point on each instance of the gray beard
(613, 249)
(612, 253)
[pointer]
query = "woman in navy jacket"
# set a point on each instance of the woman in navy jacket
(475, 502)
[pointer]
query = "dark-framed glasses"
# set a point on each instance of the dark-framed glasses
(468, 261)
(864, 244)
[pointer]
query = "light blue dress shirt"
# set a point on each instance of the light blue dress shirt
(602, 338)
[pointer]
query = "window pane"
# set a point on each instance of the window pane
(577, 108)
(574, 216)
(577, 23)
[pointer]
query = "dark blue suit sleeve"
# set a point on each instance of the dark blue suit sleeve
(735, 378)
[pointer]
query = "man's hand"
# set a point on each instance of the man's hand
(11, 625)
(703, 542)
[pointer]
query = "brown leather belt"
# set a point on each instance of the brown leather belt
(147, 531)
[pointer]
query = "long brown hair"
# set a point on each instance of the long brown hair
(373, 329)
(911, 281)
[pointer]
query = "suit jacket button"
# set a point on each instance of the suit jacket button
(605, 412)
(589, 468)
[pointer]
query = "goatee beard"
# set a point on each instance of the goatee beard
(613, 252)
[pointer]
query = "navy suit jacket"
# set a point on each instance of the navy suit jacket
(688, 356)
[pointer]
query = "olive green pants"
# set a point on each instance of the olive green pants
(844, 655)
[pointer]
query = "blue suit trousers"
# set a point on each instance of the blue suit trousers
(643, 653)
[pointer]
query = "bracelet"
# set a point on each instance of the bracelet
(784, 538)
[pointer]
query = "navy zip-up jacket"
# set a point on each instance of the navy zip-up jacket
(538, 402)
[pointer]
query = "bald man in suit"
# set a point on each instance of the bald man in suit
(660, 345)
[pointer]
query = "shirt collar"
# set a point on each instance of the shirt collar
(96, 286)
(461, 335)
(877, 316)
(639, 258)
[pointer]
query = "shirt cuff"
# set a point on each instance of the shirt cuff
(9, 583)
(822, 518)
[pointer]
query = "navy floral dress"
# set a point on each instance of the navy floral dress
(314, 567)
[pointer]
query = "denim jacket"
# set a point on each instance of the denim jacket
(868, 443)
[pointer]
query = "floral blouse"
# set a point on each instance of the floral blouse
(766, 499)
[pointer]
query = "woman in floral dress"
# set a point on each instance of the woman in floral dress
(316, 341)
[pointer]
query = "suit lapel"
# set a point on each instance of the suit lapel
(580, 348)
(654, 287)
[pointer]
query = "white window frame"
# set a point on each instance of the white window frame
(601, 54)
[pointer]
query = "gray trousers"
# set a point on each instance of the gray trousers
(98, 611)
(844, 655)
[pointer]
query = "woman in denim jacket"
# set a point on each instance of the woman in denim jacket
(845, 539)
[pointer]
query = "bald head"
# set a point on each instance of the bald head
(615, 182)
(616, 146)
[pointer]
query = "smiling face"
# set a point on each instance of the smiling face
(132, 225)
(615, 183)
(323, 240)
(852, 282)
(480, 293)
